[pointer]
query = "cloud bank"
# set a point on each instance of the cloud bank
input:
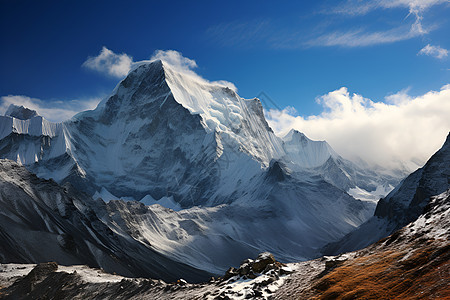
(54, 111)
(402, 129)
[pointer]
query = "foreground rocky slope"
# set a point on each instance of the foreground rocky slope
(412, 263)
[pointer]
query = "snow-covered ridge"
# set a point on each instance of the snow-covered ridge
(36, 126)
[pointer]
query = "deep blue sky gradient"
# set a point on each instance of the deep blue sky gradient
(44, 44)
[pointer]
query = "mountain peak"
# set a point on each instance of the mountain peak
(306, 152)
(294, 134)
(20, 112)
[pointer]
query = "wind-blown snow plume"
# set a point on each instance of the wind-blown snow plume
(402, 129)
(119, 65)
(183, 65)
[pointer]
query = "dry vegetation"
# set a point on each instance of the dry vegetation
(420, 272)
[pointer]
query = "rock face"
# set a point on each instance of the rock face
(403, 205)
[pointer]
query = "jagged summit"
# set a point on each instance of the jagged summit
(20, 112)
(305, 152)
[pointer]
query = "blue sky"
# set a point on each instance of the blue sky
(284, 49)
(300, 53)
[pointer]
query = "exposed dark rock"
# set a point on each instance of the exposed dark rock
(265, 263)
(263, 260)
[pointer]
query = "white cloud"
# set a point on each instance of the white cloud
(321, 31)
(434, 51)
(358, 8)
(54, 111)
(175, 58)
(117, 65)
(403, 130)
(360, 38)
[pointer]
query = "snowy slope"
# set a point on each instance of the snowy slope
(41, 221)
(317, 158)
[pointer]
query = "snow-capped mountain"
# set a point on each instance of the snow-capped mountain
(403, 205)
(317, 158)
(168, 137)
(163, 133)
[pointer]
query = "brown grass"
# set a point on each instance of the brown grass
(424, 274)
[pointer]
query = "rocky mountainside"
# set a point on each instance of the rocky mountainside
(237, 189)
(403, 205)
(20, 112)
(412, 263)
(41, 221)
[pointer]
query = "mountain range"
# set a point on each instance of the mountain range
(411, 263)
(174, 176)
